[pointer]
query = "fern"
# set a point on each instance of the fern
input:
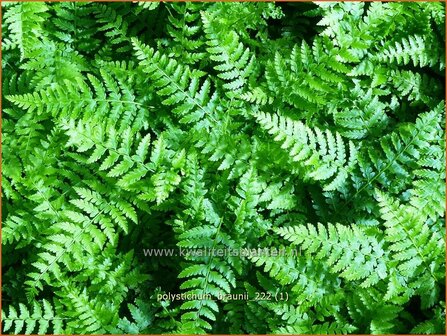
(322, 155)
(40, 319)
(89, 315)
(69, 99)
(397, 153)
(142, 315)
(286, 76)
(178, 84)
(365, 119)
(24, 22)
(184, 27)
(72, 26)
(127, 159)
(74, 232)
(366, 266)
(206, 279)
(234, 63)
(115, 27)
(223, 168)
(409, 49)
(415, 248)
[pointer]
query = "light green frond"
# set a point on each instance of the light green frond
(40, 319)
(349, 251)
(322, 155)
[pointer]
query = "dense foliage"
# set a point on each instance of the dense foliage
(315, 127)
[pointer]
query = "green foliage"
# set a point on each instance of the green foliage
(348, 251)
(24, 21)
(321, 154)
(142, 314)
(40, 320)
(311, 131)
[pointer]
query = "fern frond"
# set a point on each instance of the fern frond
(73, 26)
(321, 153)
(40, 319)
(207, 278)
(88, 314)
(285, 269)
(16, 229)
(257, 96)
(410, 49)
(435, 324)
(185, 28)
(115, 27)
(416, 249)
(391, 164)
(334, 245)
(194, 189)
(428, 192)
(194, 149)
(141, 313)
(54, 63)
(418, 87)
(308, 78)
(148, 5)
(123, 155)
(84, 228)
(178, 85)
(428, 188)
(248, 196)
(24, 20)
(234, 62)
(327, 328)
(366, 118)
(377, 316)
(129, 158)
(72, 100)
